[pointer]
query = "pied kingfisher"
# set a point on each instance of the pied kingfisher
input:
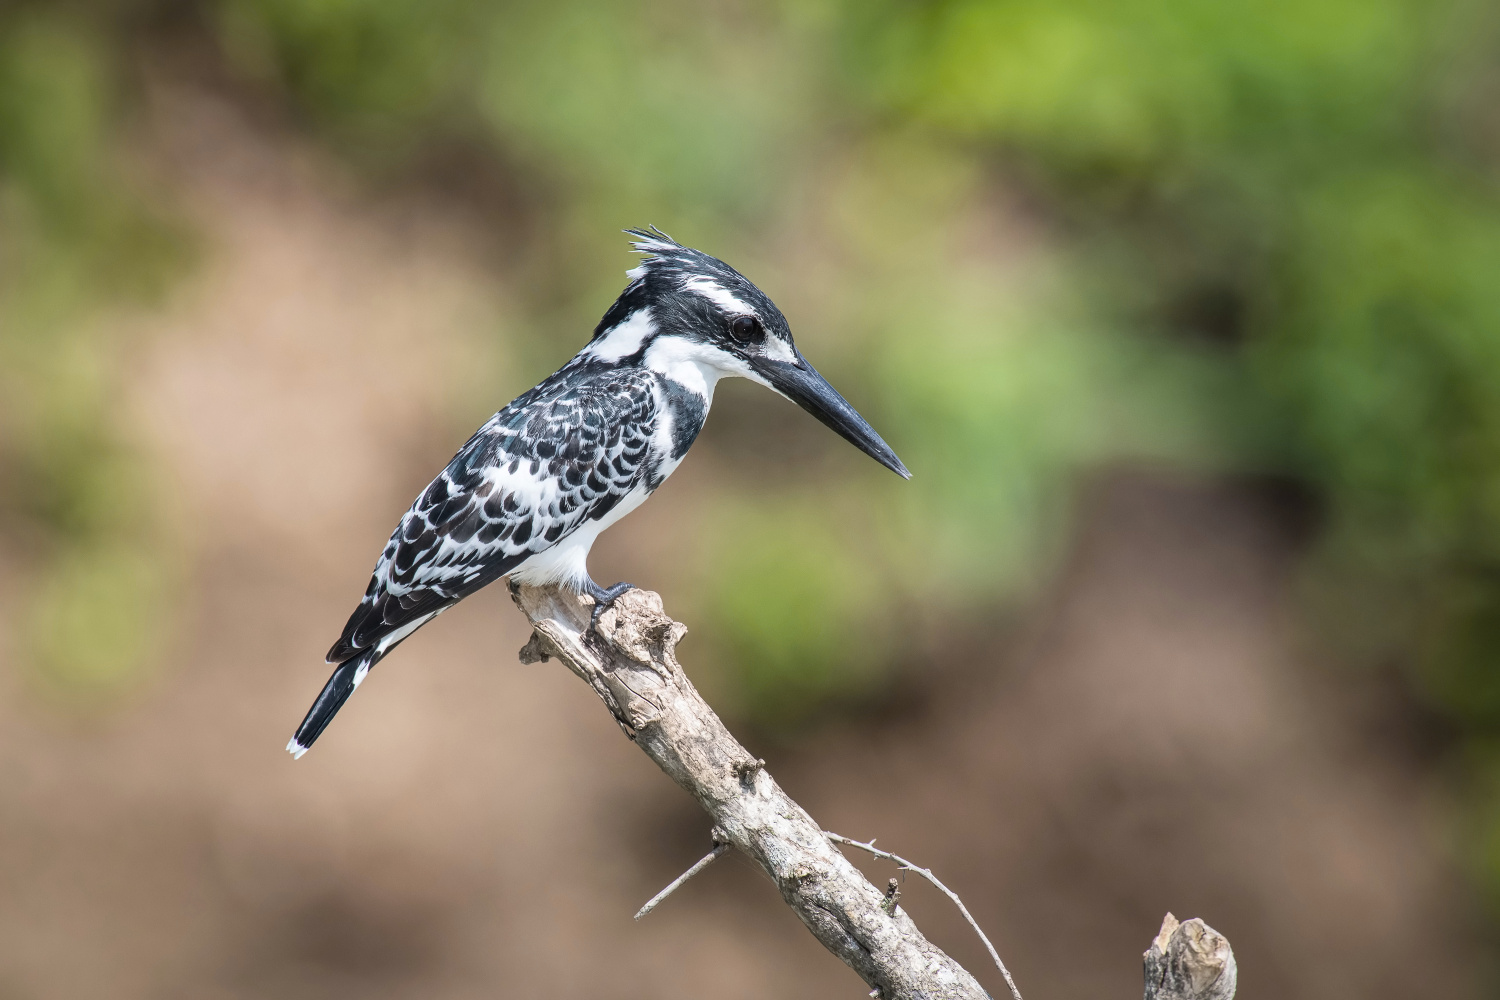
(532, 489)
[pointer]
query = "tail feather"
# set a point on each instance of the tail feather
(346, 677)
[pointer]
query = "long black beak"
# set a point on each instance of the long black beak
(802, 384)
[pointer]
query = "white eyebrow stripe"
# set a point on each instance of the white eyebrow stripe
(717, 294)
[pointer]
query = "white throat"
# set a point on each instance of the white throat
(695, 365)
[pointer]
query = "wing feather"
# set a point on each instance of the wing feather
(560, 455)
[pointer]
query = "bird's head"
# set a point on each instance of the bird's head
(684, 308)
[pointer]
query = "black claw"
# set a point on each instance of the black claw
(604, 597)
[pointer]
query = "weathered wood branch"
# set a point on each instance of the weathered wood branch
(630, 662)
(1189, 961)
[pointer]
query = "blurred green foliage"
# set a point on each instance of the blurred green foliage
(1256, 237)
(1314, 184)
(74, 236)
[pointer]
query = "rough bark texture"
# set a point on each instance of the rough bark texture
(1189, 961)
(630, 662)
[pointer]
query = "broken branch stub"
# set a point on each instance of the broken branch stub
(1189, 961)
(630, 662)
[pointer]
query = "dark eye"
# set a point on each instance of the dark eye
(744, 328)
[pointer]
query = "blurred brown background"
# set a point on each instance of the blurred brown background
(1180, 313)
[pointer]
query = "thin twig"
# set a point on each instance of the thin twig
(703, 863)
(925, 873)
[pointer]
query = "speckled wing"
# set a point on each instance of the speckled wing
(562, 454)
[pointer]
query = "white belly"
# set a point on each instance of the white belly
(567, 561)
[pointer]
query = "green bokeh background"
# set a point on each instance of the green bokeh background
(1268, 244)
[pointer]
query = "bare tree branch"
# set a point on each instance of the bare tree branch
(630, 662)
(1189, 961)
(927, 874)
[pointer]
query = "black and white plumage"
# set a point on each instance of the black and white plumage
(529, 493)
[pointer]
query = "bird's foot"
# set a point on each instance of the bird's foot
(604, 597)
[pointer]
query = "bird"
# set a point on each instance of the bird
(532, 489)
